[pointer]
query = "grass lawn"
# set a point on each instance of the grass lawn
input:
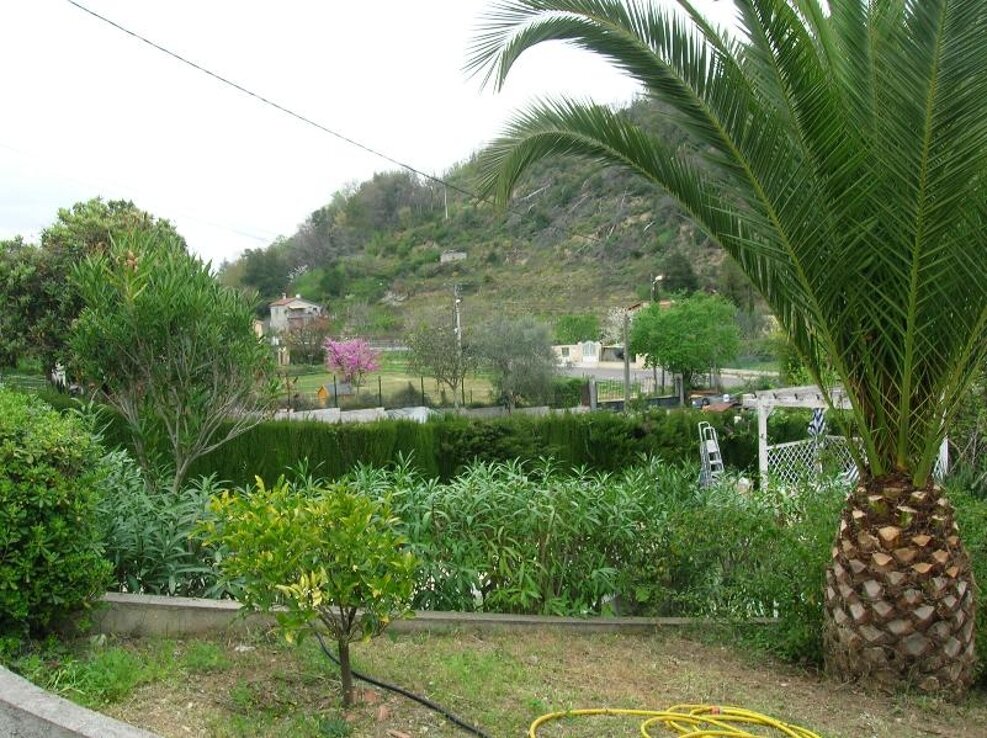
(501, 682)
(394, 377)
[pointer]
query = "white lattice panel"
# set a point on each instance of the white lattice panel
(799, 461)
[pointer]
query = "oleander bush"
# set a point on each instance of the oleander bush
(150, 533)
(528, 538)
(51, 553)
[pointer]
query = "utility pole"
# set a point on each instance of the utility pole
(456, 300)
(656, 280)
(627, 360)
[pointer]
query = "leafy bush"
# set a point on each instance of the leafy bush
(758, 554)
(506, 537)
(321, 553)
(150, 534)
(50, 550)
(567, 392)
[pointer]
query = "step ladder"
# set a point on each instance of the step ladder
(709, 455)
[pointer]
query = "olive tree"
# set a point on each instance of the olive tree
(434, 349)
(170, 349)
(518, 354)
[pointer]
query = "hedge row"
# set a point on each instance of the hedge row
(442, 447)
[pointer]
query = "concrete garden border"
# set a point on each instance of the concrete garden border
(26, 711)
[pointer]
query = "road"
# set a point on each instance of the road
(731, 378)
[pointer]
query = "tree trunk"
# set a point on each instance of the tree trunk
(346, 672)
(899, 600)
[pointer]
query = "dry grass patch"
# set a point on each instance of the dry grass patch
(503, 681)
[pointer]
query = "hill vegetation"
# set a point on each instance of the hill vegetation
(578, 239)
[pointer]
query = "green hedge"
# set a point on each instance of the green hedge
(444, 446)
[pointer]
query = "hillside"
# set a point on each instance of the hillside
(577, 238)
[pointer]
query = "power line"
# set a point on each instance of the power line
(308, 121)
(271, 103)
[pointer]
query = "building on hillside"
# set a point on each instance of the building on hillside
(446, 256)
(290, 312)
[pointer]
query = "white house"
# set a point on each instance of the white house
(289, 312)
(446, 256)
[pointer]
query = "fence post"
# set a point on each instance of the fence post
(380, 393)
(422, 380)
(335, 391)
(592, 393)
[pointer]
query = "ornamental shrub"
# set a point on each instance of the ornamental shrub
(149, 533)
(50, 550)
(321, 553)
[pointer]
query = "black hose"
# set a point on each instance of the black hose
(459, 722)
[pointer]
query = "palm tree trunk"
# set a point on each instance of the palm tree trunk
(900, 601)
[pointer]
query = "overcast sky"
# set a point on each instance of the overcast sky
(88, 110)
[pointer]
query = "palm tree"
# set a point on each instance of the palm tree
(838, 152)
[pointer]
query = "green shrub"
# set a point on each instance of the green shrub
(320, 553)
(567, 392)
(442, 447)
(768, 551)
(50, 550)
(150, 534)
(505, 537)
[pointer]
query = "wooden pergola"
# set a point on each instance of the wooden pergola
(765, 402)
(812, 398)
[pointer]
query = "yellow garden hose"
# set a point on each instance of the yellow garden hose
(695, 721)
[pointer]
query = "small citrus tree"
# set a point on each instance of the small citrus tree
(321, 554)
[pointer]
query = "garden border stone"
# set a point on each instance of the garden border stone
(27, 711)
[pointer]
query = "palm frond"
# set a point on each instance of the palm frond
(844, 167)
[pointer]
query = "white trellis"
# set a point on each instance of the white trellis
(792, 462)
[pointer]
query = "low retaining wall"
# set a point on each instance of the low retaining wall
(29, 712)
(151, 615)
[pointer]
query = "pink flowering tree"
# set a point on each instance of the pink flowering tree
(351, 359)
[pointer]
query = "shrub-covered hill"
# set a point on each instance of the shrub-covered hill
(576, 238)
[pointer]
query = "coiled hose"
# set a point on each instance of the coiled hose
(693, 721)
